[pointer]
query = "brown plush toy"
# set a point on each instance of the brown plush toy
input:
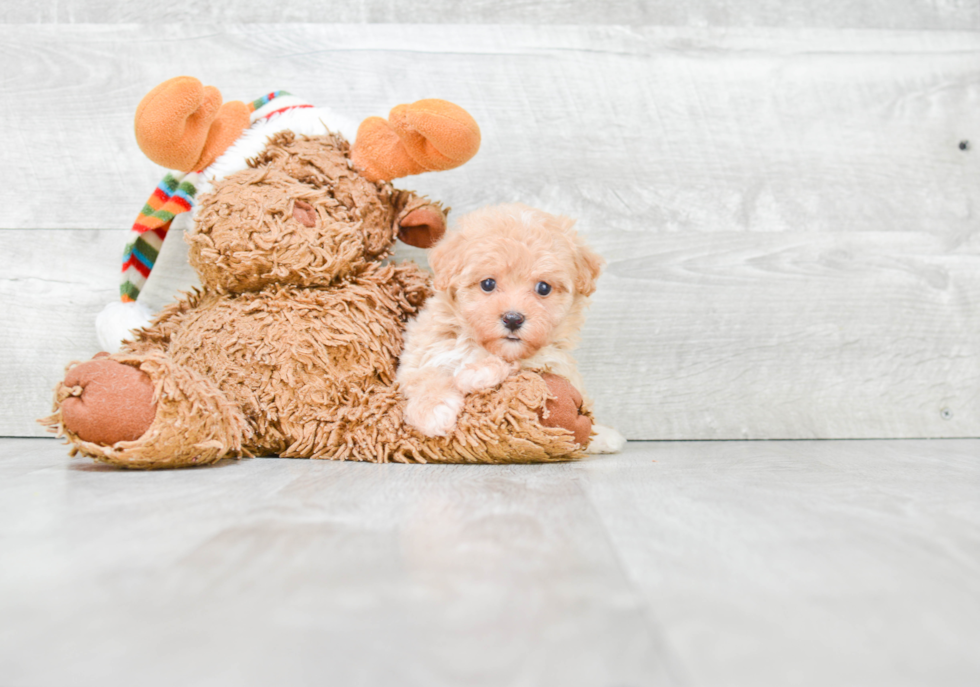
(291, 345)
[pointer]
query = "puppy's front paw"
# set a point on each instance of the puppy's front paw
(485, 374)
(432, 414)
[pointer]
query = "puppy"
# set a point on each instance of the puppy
(511, 287)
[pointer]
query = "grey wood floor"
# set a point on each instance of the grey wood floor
(730, 563)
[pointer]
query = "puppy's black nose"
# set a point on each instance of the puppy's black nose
(513, 320)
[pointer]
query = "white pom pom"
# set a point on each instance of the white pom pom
(606, 440)
(117, 320)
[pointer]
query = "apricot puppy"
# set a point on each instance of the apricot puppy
(511, 287)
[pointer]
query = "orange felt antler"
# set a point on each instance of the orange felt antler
(181, 124)
(426, 136)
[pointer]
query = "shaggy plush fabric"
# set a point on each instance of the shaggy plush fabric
(195, 424)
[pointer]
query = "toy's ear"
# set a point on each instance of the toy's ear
(422, 227)
(426, 136)
(182, 124)
(447, 261)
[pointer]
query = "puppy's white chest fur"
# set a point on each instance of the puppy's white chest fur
(452, 355)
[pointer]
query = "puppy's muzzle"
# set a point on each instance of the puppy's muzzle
(512, 320)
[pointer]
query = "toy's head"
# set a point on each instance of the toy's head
(301, 214)
(300, 209)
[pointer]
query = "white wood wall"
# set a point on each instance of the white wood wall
(790, 221)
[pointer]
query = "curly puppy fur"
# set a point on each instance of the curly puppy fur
(511, 288)
(291, 346)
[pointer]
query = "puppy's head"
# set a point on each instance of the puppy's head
(519, 278)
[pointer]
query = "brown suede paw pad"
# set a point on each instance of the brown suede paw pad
(564, 409)
(110, 402)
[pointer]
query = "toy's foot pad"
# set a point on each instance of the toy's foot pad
(565, 409)
(109, 402)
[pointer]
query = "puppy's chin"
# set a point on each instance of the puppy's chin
(509, 349)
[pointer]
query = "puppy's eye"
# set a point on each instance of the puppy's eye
(488, 285)
(543, 288)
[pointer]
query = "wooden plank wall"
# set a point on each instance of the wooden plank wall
(780, 188)
(915, 15)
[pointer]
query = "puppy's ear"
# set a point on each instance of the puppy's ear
(588, 263)
(588, 266)
(447, 260)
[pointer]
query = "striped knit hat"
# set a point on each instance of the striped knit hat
(174, 195)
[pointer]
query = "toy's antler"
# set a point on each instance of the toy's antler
(426, 136)
(181, 124)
